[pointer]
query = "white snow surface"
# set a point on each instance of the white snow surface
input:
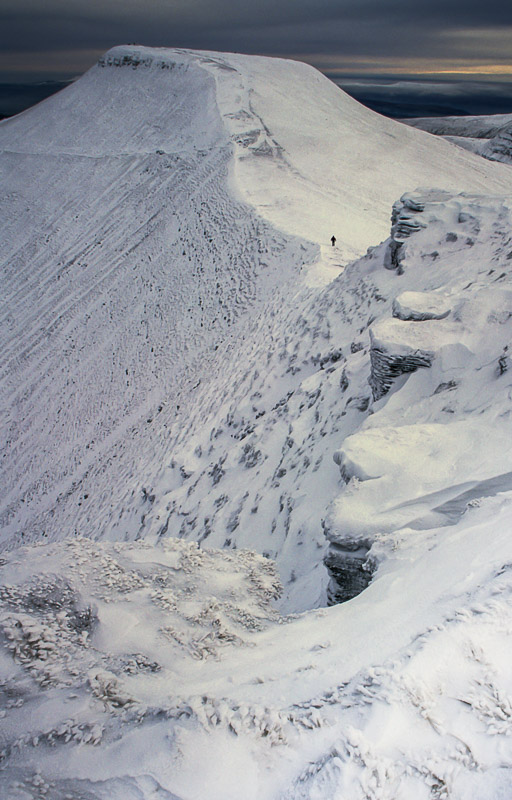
(478, 127)
(190, 373)
(134, 270)
(488, 136)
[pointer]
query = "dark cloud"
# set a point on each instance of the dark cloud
(432, 29)
(52, 31)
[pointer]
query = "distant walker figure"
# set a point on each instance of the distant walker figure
(333, 240)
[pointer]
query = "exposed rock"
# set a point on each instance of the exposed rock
(386, 367)
(503, 364)
(401, 478)
(348, 570)
(393, 256)
(445, 386)
(392, 355)
(250, 456)
(356, 347)
(412, 213)
(361, 402)
(343, 381)
(398, 347)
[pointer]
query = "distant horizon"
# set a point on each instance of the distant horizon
(67, 66)
(463, 40)
(396, 95)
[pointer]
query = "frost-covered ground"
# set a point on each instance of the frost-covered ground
(138, 672)
(192, 373)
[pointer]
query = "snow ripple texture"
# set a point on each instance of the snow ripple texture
(122, 276)
(181, 367)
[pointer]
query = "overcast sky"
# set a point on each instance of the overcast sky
(61, 38)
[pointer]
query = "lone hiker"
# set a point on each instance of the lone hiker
(333, 240)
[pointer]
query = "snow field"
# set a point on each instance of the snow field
(488, 136)
(182, 356)
(135, 271)
(133, 662)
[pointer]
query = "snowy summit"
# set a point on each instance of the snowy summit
(256, 486)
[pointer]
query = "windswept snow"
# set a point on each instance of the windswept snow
(313, 161)
(490, 137)
(187, 361)
(476, 127)
(135, 672)
(134, 271)
(124, 271)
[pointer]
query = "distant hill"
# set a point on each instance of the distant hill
(489, 136)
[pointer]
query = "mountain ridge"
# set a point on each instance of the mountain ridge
(66, 219)
(184, 356)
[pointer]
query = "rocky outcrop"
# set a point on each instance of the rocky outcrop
(500, 147)
(407, 218)
(399, 346)
(386, 367)
(394, 352)
(420, 306)
(348, 570)
(402, 478)
(423, 458)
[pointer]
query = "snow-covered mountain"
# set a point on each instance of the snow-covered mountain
(476, 127)
(151, 210)
(489, 136)
(185, 356)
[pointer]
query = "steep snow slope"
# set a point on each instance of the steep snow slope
(133, 267)
(256, 470)
(368, 405)
(163, 671)
(124, 269)
(490, 136)
(339, 165)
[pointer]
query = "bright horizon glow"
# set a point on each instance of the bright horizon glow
(72, 63)
(498, 69)
(406, 66)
